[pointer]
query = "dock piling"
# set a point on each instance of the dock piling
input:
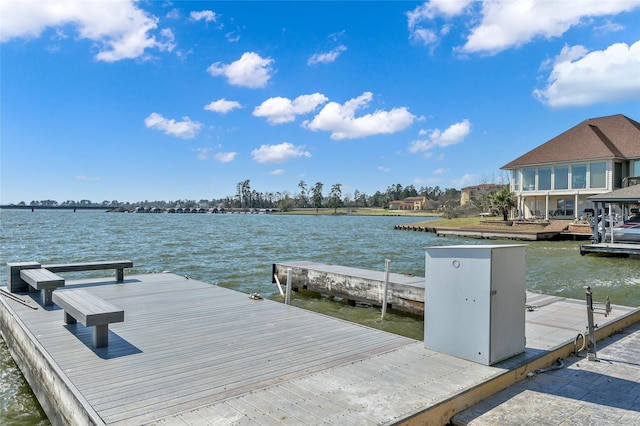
(387, 263)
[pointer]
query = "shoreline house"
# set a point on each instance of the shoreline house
(478, 193)
(409, 203)
(595, 157)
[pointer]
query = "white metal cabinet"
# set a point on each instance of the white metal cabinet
(475, 301)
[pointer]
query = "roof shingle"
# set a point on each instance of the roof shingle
(614, 136)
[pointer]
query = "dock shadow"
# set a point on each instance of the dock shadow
(118, 347)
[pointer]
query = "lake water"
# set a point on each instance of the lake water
(237, 251)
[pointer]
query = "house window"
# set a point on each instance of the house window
(617, 175)
(565, 207)
(561, 177)
(529, 180)
(597, 175)
(515, 177)
(635, 168)
(544, 178)
(578, 176)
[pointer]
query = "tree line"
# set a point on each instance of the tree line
(314, 197)
(306, 196)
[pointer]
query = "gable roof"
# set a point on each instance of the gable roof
(614, 136)
(630, 194)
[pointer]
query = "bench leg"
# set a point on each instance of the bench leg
(120, 274)
(68, 319)
(101, 335)
(47, 296)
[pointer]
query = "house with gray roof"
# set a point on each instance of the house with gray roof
(595, 157)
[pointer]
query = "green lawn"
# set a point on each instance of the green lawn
(362, 212)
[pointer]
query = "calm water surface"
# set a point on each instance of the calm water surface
(237, 251)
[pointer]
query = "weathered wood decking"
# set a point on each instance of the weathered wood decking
(193, 353)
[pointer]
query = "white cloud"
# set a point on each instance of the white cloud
(203, 153)
(278, 153)
(466, 180)
(251, 70)
(440, 171)
(225, 157)
(232, 37)
(280, 110)
(579, 78)
(506, 23)
(204, 15)
(497, 25)
(426, 13)
(454, 134)
(609, 27)
(424, 36)
(222, 106)
(173, 14)
(341, 121)
(185, 129)
(326, 57)
(431, 9)
(119, 29)
(277, 172)
(383, 169)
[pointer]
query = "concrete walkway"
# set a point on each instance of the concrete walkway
(603, 392)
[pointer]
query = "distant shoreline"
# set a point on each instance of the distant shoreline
(17, 207)
(306, 211)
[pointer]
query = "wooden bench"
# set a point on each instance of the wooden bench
(90, 310)
(118, 265)
(43, 280)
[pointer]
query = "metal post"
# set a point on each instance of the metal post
(387, 262)
(591, 349)
(287, 298)
(275, 276)
(610, 224)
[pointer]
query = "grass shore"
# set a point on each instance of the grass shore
(436, 219)
(361, 212)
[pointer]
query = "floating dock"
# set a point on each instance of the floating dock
(614, 249)
(405, 292)
(193, 353)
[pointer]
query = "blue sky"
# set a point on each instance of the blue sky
(151, 100)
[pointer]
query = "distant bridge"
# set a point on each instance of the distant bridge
(74, 208)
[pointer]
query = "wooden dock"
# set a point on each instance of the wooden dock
(405, 292)
(194, 353)
(525, 231)
(614, 249)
